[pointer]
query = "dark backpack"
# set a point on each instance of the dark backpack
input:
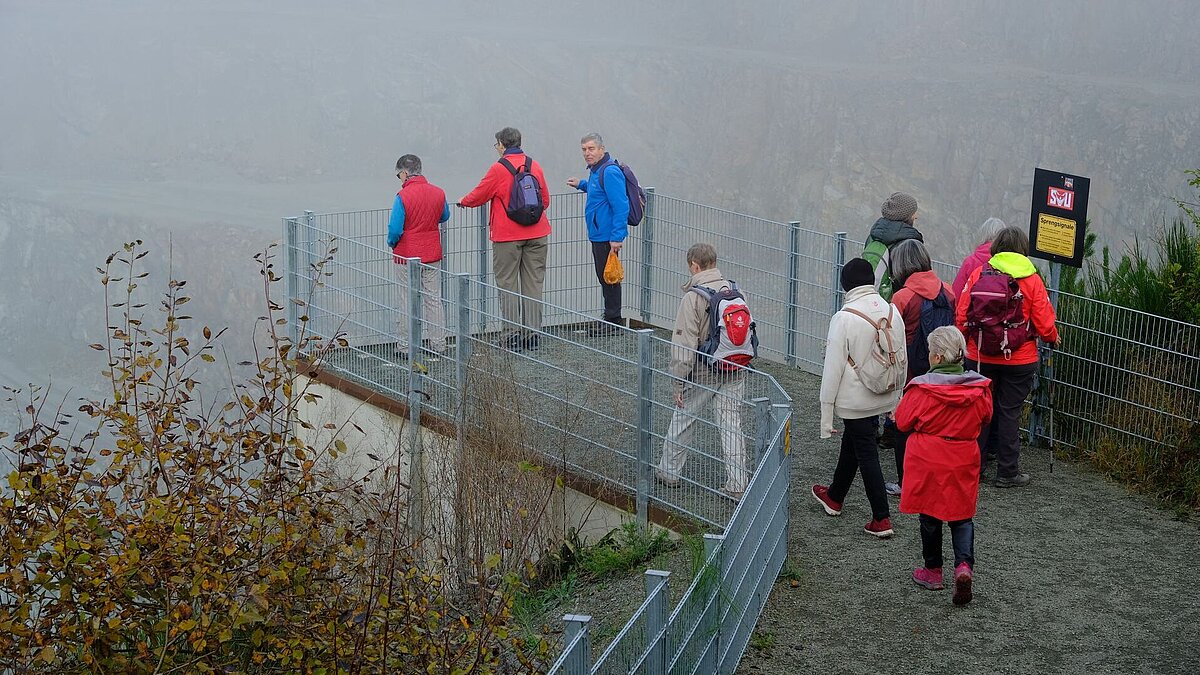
(995, 314)
(732, 342)
(879, 255)
(935, 313)
(525, 205)
(635, 193)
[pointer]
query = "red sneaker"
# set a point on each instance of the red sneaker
(928, 577)
(881, 528)
(822, 494)
(963, 577)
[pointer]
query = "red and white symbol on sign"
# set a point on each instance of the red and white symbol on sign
(1061, 199)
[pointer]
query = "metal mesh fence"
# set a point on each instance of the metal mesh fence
(601, 407)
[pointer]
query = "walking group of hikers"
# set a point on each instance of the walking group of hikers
(712, 317)
(948, 366)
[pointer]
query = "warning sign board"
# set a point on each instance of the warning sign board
(1058, 217)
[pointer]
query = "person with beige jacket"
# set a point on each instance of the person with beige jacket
(844, 394)
(696, 384)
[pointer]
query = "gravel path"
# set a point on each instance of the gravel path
(1073, 575)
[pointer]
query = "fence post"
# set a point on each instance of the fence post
(290, 241)
(310, 226)
(416, 478)
(762, 429)
(484, 249)
(657, 637)
(1042, 404)
(644, 419)
(462, 353)
(793, 289)
(839, 261)
(579, 662)
(647, 255)
(711, 619)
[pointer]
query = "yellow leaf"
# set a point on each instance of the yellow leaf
(47, 654)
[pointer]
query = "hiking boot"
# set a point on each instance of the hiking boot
(928, 577)
(515, 342)
(881, 528)
(665, 480)
(532, 342)
(963, 578)
(1019, 480)
(732, 494)
(892, 489)
(822, 495)
(887, 438)
(603, 328)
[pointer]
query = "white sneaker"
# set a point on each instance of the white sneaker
(892, 489)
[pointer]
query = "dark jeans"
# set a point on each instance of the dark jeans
(1010, 386)
(962, 538)
(611, 292)
(860, 453)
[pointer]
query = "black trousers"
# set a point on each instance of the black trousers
(962, 538)
(611, 292)
(860, 453)
(1010, 386)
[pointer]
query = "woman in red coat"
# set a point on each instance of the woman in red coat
(944, 412)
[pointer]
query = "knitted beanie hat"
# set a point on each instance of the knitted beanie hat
(900, 207)
(857, 272)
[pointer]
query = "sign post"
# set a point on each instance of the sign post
(1057, 232)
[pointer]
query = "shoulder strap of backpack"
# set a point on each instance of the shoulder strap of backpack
(874, 324)
(528, 163)
(508, 165)
(603, 167)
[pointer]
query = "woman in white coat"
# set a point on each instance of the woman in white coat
(843, 393)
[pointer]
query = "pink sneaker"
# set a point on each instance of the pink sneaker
(881, 528)
(822, 494)
(928, 577)
(963, 576)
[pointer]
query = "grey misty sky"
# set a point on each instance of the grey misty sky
(197, 125)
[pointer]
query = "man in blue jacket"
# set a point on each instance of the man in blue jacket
(607, 218)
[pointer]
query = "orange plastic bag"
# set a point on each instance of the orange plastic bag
(614, 271)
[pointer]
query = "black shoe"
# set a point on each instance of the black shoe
(1019, 480)
(887, 438)
(603, 328)
(515, 342)
(532, 342)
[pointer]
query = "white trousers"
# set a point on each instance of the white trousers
(433, 315)
(725, 394)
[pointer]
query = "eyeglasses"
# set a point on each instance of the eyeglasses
(497, 145)
(398, 174)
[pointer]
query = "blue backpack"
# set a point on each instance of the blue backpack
(935, 313)
(525, 204)
(635, 193)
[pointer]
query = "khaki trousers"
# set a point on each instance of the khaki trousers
(520, 270)
(726, 394)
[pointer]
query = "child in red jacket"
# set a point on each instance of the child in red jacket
(944, 412)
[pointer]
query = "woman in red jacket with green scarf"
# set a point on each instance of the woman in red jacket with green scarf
(944, 411)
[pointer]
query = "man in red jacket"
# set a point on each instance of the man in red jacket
(518, 251)
(419, 207)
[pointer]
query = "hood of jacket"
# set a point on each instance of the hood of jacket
(925, 284)
(1015, 265)
(952, 390)
(892, 232)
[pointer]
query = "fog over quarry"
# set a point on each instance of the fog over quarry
(196, 126)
